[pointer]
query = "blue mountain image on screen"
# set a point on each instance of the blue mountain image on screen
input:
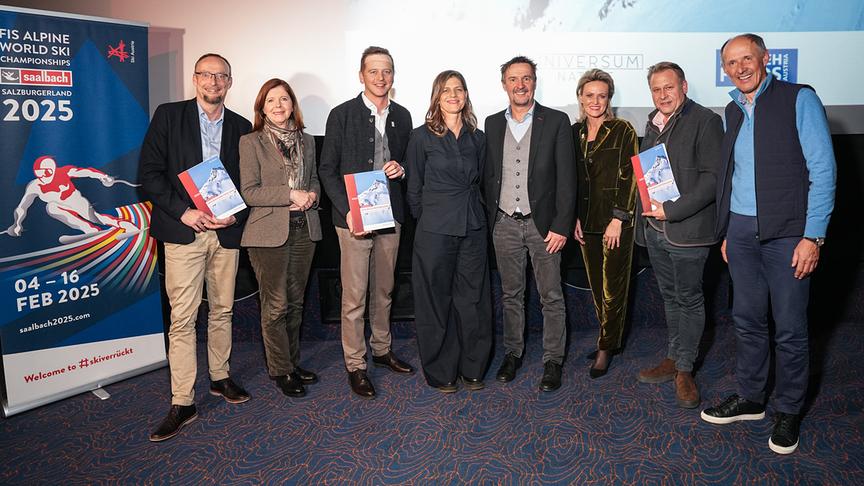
(660, 181)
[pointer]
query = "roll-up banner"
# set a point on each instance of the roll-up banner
(79, 290)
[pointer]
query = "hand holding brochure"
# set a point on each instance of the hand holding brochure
(369, 201)
(654, 176)
(211, 189)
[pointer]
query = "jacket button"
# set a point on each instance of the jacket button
(370, 161)
(371, 139)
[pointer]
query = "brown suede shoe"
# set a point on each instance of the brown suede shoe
(661, 373)
(686, 393)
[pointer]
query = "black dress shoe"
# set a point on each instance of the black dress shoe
(473, 384)
(551, 380)
(178, 416)
(306, 377)
(395, 364)
(449, 387)
(360, 384)
(507, 371)
(230, 391)
(291, 385)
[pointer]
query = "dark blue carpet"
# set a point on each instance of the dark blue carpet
(607, 431)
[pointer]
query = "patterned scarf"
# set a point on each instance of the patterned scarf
(289, 142)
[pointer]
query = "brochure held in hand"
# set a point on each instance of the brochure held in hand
(654, 176)
(369, 201)
(211, 189)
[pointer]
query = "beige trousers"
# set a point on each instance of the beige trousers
(367, 264)
(187, 268)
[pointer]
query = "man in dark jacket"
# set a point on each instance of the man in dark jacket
(198, 247)
(530, 190)
(369, 132)
(680, 232)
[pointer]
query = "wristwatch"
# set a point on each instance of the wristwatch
(817, 241)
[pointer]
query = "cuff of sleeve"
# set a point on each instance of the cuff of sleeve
(624, 216)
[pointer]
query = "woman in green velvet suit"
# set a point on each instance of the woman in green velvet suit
(605, 212)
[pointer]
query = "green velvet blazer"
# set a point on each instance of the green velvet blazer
(607, 187)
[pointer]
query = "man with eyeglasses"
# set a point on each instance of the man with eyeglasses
(530, 181)
(198, 247)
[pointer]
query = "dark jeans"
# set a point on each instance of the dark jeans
(282, 273)
(515, 240)
(452, 304)
(609, 276)
(679, 272)
(764, 280)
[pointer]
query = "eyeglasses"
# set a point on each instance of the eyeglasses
(219, 77)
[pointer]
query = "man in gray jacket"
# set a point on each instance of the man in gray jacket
(679, 233)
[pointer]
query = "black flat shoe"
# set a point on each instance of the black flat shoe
(448, 387)
(473, 384)
(306, 377)
(291, 385)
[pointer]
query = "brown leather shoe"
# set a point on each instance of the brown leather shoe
(686, 393)
(360, 384)
(395, 364)
(661, 373)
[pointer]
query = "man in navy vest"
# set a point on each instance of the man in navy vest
(775, 197)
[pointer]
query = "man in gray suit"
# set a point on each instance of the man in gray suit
(530, 192)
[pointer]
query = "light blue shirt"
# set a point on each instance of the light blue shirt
(517, 128)
(815, 139)
(211, 133)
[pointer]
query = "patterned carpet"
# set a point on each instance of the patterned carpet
(613, 430)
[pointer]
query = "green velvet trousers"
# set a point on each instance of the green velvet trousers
(609, 276)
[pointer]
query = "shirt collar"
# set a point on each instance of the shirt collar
(372, 107)
(203, 114)
(741, 98)
(508, 114)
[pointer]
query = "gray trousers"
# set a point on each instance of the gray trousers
(679, 275)
(282, 273)
(515, 240)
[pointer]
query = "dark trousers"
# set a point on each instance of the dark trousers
(282, 273)
(763, 280)
(515, 240)
(452, 304)
(679, 272)
(609, 276)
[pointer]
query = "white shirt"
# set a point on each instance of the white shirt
(380, 118)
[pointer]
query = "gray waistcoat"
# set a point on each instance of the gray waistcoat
(382, 151)
(514, 173)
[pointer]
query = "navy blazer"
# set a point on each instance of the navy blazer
(349, 147)
(172, 145)
(551, 170)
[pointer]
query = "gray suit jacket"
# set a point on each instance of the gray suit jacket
(264, 186)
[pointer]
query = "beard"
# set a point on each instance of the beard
(213, 100)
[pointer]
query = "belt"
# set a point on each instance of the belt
(516, 215)
(297, 222)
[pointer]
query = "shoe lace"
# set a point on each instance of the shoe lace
(784, 425)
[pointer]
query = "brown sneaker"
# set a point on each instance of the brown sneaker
(686, 393)
(661, 373)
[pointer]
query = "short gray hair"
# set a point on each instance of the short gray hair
(665, 66)
(755, 39)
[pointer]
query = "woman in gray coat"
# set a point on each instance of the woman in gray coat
(279, 182)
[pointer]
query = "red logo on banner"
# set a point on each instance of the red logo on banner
(119, 52)
(44, 77)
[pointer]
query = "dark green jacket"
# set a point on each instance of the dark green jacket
(607, 188)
